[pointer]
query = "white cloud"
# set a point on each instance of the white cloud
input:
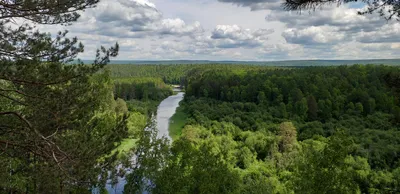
(228, 29)
(256, 4)
(178, 27)
(232, 36)
(132, 19)
(387, 33)
(313, 35)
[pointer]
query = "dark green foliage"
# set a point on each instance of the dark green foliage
(45, 12)
(362, 86)
(54, 141)
(143, 89)
(244, 115)
(57, 121)
(312, 108)
(170, 74)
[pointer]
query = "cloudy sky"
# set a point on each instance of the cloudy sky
(256, 30)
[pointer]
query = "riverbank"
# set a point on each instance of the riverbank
(177, 122)
(138, 120)
(139, 115)
(165, 111)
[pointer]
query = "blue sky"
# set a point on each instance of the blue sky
(233, 30)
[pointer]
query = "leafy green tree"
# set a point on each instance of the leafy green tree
(255, 181)
(183, 168)
(297, 95)
(324, 170)
(350, 108)
(283, 111)
(261, 97)
(205, 93)
(302, 108)
(151, 155)
(325, 109)
(288, 135)
(396, 177)
(359, 108)
(312, 108)
(120, 106)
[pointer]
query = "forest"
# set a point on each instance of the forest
(239, 129)
(285, 130)
(67, 126)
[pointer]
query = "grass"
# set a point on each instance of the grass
(177, 122)
(125, 146)
(136, 122)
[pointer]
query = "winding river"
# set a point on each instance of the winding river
(165, 111)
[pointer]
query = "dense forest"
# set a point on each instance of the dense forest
(71, 127)
(246, 129)
(171, 74)
(141, 89)
(305, 130)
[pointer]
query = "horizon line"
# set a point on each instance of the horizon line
(140, 60)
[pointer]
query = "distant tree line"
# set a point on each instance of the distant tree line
(170, 74)
(141, 89)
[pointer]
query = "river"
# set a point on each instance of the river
(165, 111)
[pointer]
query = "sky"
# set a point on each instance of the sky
(251, 30)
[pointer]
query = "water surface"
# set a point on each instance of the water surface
(165, 111)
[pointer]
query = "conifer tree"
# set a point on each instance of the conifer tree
(56, 123)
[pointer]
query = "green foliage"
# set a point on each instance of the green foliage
(49, 12)
(57, 120)
(143, 89)
(120, 106)
(151, 153)
(177, 122)
(325, 170)
(62, 144)
(288, 135)
(277, 130)
(170, 74)
(193, 169)
(125, 147)
(360, 86)
(312, 108)
(339, 100)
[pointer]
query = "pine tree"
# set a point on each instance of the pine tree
(56, 122)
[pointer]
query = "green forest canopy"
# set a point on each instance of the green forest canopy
(283, 131)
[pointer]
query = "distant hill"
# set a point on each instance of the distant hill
(267, 63)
